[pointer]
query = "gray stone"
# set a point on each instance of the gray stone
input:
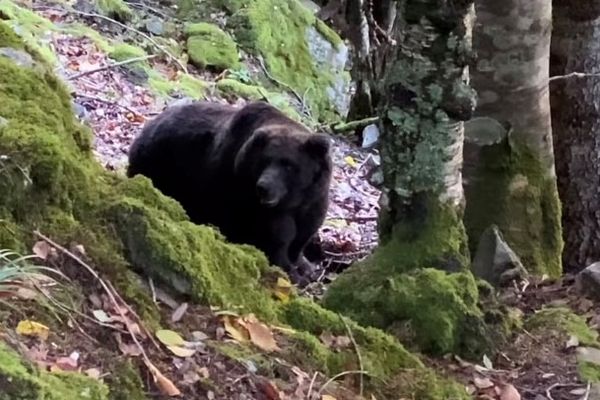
(588, 281)
(155, 26)
(495, 261)
(79, 110)
(19, 57)
(333, 59)
(588, 354)
(181, 102)
(370, 136)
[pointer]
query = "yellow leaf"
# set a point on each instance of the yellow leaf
(181, 351)
(169, 338)
(32, 328)
(260, 334)
(283, 289)
(233, 328)
(165, 385)
(350, 161)
(336, 222)
(327, 397)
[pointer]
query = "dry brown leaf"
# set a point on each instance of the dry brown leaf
(509, 392)
(164, 384)
(269, 389)
(482, 383)
(260, 334)
(235, 330)
(42, 249)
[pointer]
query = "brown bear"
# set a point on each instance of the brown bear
(258, 176)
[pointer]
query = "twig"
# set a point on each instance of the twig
(154, 10)
(587, 391)
(109, 66)
(106, 101)
(285, 85)
(530, 335)
(557, 385)
(573, 75)
(348, 126)
(155, 372)
(358, 356)
(333, 378)
(310, 387)
(127, 27)
(152, 289)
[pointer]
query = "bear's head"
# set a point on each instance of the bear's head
(282, 163)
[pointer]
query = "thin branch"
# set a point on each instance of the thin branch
(360, 361)
(573, 75)
(310, 387)
(106, 101)
(352, 125)
(111, 295)
(122, 25)
(109, 66)
(333, 378)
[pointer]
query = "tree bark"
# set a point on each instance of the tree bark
(419, 272)
(511, 181)
(576, 126)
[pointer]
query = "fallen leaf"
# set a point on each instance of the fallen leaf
(260, 334)
(203, 372)
(169, 338)
(178, 313)
(199, 336)
(26, 293)
(327, 397)
(181, 351)
(235, 330)
(67, 363)
(42, 249)
(32, 328)
(576, 392)
(548, 375)
(269, 389)
(350, 161)
(487, 362)
(164, 384)
(509, 393)
(101, 316)
(482, 383)
(283, 289)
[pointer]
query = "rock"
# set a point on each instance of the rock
(332, 58)
(588, 354)
(155, 26)
(370, 136)
(495, 261)
(181, 102)
(19, 57)
(79, 110)
(209, 46)
(588, 281)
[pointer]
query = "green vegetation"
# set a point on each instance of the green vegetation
(25, 382)
(209, 46)
(117, 9)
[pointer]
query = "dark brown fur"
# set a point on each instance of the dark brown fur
(257, 175)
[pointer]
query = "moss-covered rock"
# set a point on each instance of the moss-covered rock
(209, 46)
(508, 186)
(21, 381)
(562, 320)
(126, 51)
(279, 31)
(117, 9)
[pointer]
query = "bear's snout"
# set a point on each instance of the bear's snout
(270, 188)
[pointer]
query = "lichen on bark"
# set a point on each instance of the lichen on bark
(419, 277)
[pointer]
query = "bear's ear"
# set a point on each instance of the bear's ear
(317, 145)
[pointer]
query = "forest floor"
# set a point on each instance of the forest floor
(533, 366)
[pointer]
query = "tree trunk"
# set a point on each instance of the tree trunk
(422, 236)
(510, 179)
(576, 126)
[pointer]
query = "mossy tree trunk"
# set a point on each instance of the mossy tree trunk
(417, 283)
(510, 179)
(576, 126)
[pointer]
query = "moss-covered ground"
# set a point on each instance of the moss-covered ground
(58, 188)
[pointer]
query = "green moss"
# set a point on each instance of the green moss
(21, 381)
(117, 9)
(186, 84)
(563, 320)
(126, 51)
(124, 382)
(589, 372)
(328, 33)
(511, 189)
(194, 259)
(209, 46)
(276, 29)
